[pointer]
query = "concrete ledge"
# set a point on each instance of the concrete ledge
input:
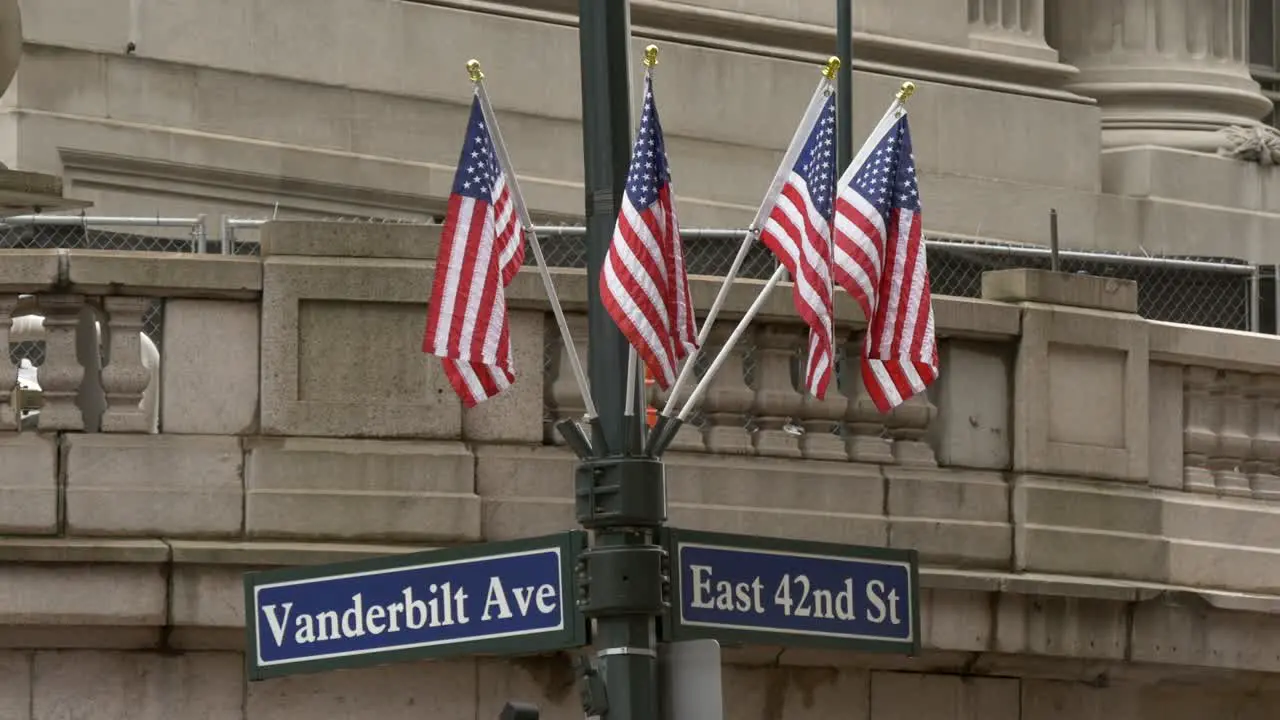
(268, 554)
(1228, 349)
(405, 241)
(82, 550)
(27, 271)
(1043, 286)
(163, 274)
(414, 241)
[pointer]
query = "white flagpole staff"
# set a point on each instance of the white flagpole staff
(753, 230)
(572, 433)
(660, 441)
(811, 113)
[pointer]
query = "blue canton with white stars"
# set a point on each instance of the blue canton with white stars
(478, 167)
(648, 171)
(817, 161)
(887, 179)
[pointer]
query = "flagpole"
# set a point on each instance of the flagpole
(753, 232)
(635, 379)
(659, 440)
(500, 147)
(701, 388)
(629, 407)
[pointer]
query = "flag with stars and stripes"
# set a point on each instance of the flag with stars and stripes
(481, 249)
(798, 231)
(880, 261)
(644, 285)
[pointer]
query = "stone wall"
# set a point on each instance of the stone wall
(1093, 495)
(356, 108)
(106, 685)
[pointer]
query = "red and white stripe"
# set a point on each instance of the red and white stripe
(800, 237)
(481, 250)
(646, 286)
(880, 260)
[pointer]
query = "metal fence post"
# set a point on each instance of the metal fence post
(1255, 300)
(201, 235)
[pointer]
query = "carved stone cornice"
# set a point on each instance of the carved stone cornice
(792, 40)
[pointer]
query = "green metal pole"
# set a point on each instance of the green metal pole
(605, 34)
(621, 496)
(844, 84)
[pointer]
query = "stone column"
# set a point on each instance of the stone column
(561, 396)
(1263, 467)
(866, 437)
(61, 371)
(1199, 435)
(728, 397)
(1227, 459)
(908, 424)
(689, 436)
(8, 371)
(1165, 72)
(1010, 27)
(821, 417)
(125, 378)
(777, 403)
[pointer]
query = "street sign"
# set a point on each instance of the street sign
(506, 598)
(754, 590)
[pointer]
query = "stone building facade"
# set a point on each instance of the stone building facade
(1093, 494)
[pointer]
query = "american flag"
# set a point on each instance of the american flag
(880, 261)
(798, 232)
(644, 285)
(481, 249)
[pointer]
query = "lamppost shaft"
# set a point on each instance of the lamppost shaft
(844, 84)
(605, 35)
(621, 497)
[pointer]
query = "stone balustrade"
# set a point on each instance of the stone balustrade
(1070, 451)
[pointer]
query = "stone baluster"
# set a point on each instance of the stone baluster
(1010, 27)
(124, 377)
(820, 419)
(689, 436)
(1263, 467)
(8, 371)
(1164, 72)
(1227, 459)
(561, 395)
(61, 373)
(728, 398)
(1199, 436)
(777, 403)
(866, 438)
(908, 424)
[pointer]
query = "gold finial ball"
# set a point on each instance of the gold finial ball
(650, 56)
(831, 68)
(908, 89)
(473, 70)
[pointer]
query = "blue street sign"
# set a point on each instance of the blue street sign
(496, 598)
(755, 590)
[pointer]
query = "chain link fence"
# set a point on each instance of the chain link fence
(1213, 292)
(82, 232)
